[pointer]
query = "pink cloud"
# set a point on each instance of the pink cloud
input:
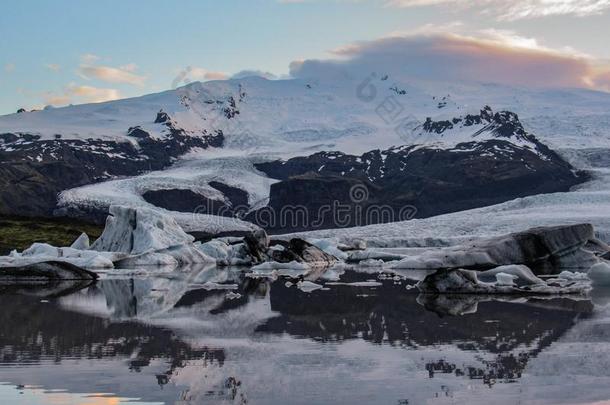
(488, 57)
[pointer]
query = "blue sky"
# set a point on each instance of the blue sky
(68, 51)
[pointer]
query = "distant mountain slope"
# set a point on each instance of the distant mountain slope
(219, 139)
(493, 160)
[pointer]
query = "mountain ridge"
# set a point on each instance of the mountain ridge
(182, 134)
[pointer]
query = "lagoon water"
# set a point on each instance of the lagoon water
(206, 336)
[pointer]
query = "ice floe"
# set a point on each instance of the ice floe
(502, 280)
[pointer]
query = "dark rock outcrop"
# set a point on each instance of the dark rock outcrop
(33, 171)
(499, 161)
(162, 118)
(187, 201)
(235, 203)
(332, 189)
(236, 196)
(257, 244)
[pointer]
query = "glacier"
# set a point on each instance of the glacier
(280, 119)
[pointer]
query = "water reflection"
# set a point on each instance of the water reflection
(217, 335)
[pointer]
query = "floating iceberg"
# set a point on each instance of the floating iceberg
(512, 279)
(545, 249)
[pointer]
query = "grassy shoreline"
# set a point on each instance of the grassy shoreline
(19, 232)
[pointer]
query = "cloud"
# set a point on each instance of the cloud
(53, 66)
(73, 93)
(194, 73)
(258, 73)
(9, 67)
(111, 75)
(515, 9)
(489, 56)
(197, 73)
(89, 58)
(123, 74)
(500, 9)
(602, 80)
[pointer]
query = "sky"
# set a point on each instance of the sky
(70, 51)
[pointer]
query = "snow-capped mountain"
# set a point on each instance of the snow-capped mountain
(234, 147)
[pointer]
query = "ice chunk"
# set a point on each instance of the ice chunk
(139, 230)
(454, 281)
(308, 286)
(600, 274)
(148, 259)
(548, 248)
(210, 285)
(372, 263)
(216, 249)
(81, 243)
(369, 283)
(294, 265)
(569, 275)
(519, 273)
(329, 246)
(369, 254)
(505, 279)
(43, 252)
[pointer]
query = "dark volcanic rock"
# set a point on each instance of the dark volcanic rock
(401, 183)
(257, 244)
(186, 201)
(137, 132)
(236, 196)
(183, 200)
(162, 117)
(33, 172)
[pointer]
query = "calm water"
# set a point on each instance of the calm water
(178, 340)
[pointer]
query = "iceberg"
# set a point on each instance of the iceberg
(544, 249)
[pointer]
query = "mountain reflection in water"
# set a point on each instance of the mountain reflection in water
(218, 336)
